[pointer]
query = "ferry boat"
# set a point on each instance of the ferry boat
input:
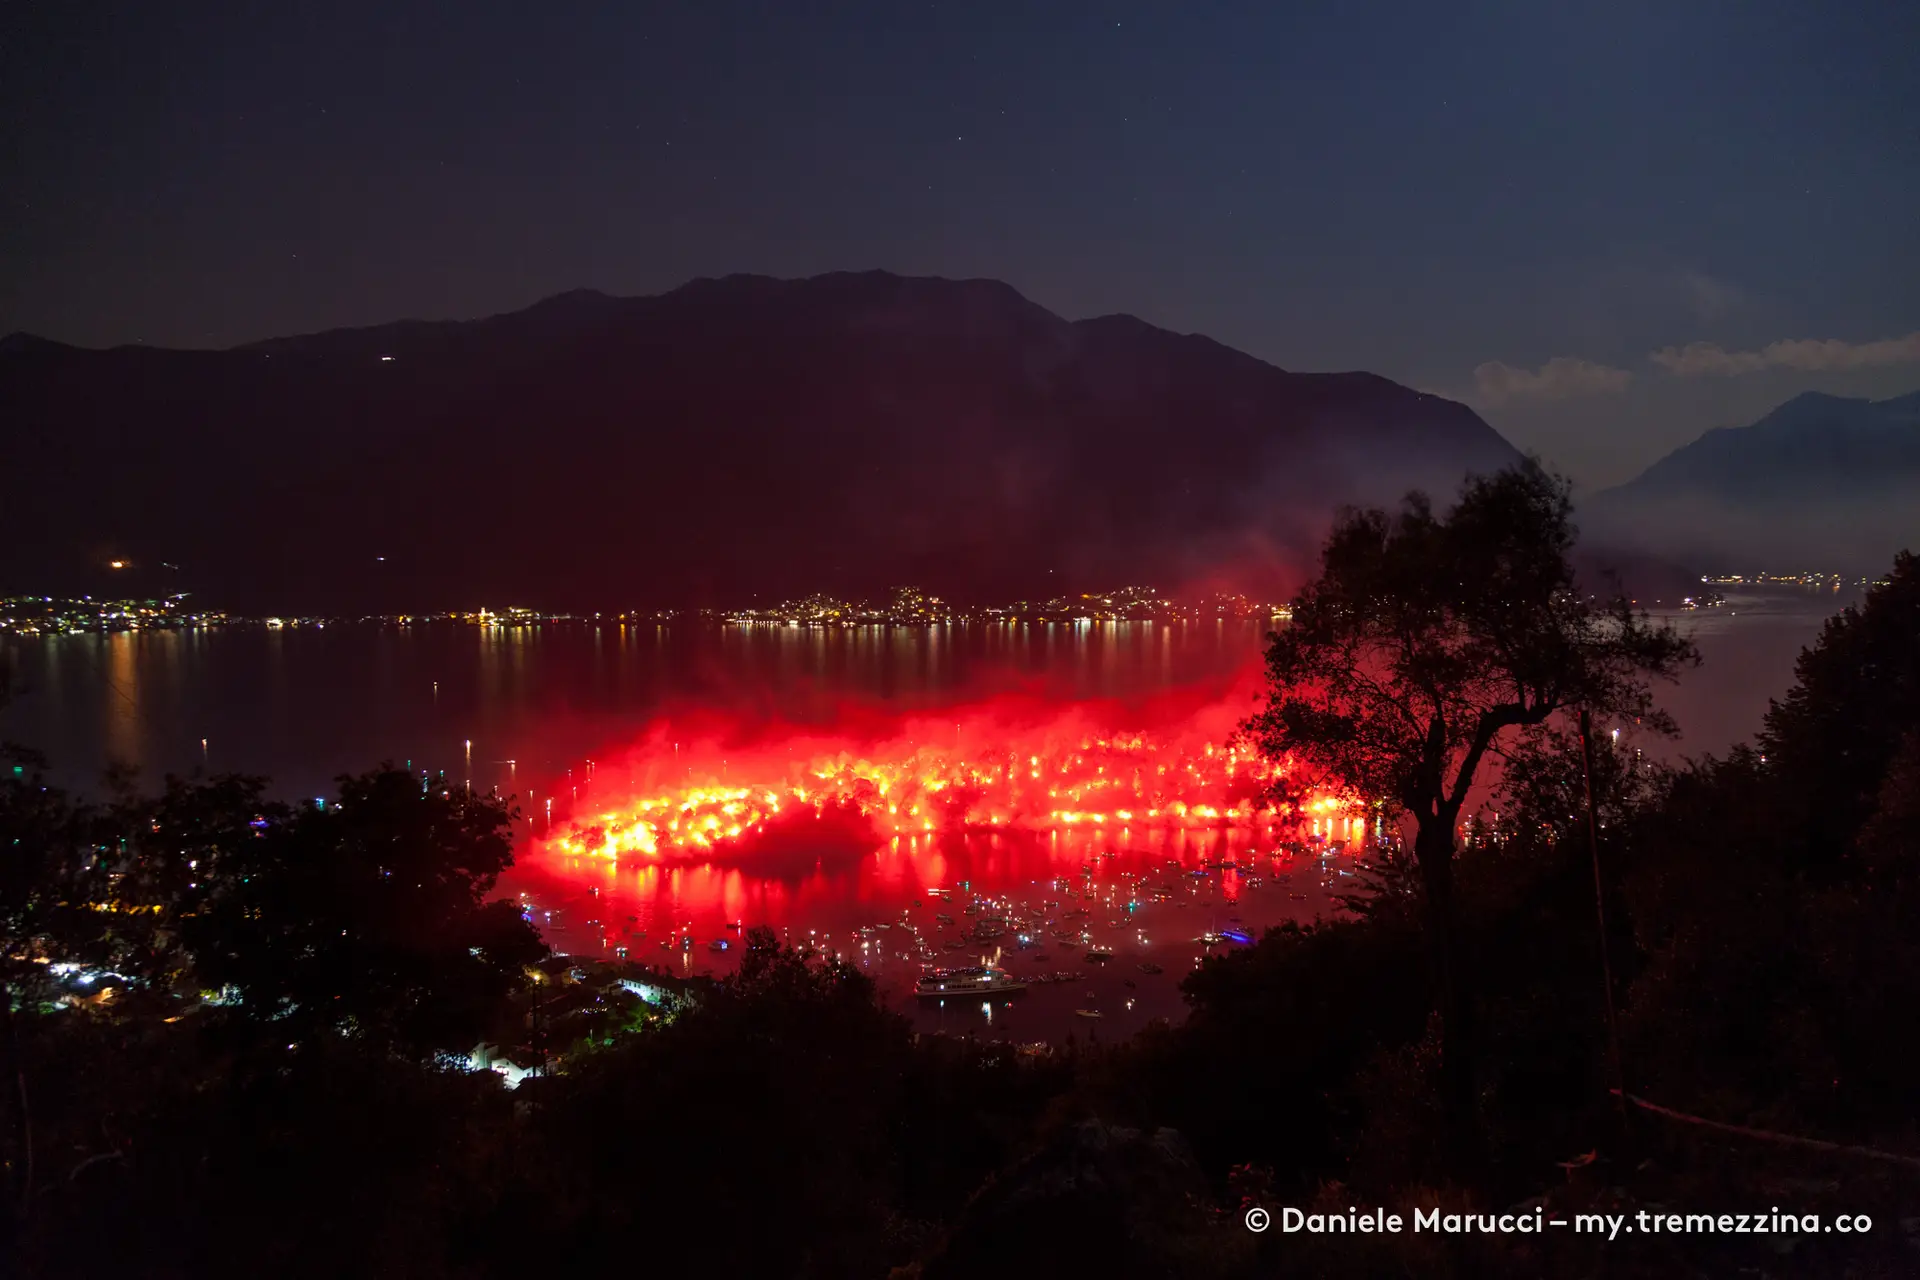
(979, 980)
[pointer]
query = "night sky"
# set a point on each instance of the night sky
(1537, 208)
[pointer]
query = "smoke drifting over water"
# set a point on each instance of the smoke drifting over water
(775, 798)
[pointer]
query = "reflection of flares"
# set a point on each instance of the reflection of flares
(992, 768)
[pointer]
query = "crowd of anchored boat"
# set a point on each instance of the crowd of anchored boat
(992, 926)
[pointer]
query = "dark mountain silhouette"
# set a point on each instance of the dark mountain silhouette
(1820, 483)
(733, 438)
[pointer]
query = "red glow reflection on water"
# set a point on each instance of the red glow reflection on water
(859, 841)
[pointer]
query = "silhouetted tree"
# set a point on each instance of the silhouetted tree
(777, 1093)
(1890, 841)
(1423, 641)
(366, 916)
(1858, 694)
(178, 852)
(54, 879)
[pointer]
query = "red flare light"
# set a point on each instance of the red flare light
(1012, 764)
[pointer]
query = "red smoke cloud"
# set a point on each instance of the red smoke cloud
(769, 796)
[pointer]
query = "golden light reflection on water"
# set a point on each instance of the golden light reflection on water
(123, 710)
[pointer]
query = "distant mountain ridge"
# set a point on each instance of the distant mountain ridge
(735, 437)
(1822, 482)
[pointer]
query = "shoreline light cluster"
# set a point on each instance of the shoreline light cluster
(906, 606)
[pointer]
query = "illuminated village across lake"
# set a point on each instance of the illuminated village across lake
(905, 606)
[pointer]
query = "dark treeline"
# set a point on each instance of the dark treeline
(238, 1040)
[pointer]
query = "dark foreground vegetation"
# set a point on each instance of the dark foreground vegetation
(239, 1040)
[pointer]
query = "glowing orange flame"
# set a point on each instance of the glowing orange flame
(995, 767)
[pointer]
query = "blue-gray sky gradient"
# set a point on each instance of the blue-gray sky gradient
(1451, 195)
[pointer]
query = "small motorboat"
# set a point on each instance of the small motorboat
(1088, 1013)
(718, 944)
(1151, 967)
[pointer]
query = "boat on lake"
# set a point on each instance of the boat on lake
(978, 980)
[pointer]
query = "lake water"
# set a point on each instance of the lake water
(581, 717)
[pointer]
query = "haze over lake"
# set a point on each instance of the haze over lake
(537, 703)
(302, 705)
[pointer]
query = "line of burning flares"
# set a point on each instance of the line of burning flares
(1119, 783)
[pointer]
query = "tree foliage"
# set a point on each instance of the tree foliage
(1855, 699)
(1423, 643)
(1427, 637)
(366, 916)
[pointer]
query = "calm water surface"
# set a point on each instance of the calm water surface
(521, 710)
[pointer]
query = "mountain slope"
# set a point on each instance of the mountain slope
(734, 437)
(1821, 482)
